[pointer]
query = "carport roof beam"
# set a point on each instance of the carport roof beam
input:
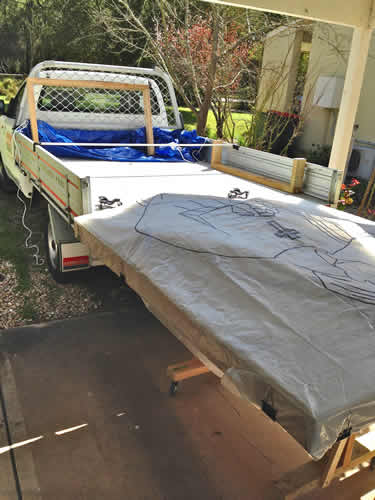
(342, 12)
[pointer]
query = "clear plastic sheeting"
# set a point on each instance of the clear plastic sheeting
(281, 293)
(168, 150)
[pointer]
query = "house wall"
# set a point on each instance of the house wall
(328, 57)
(279, 70)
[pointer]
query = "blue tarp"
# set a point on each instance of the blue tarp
(137, 136)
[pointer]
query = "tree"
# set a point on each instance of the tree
(37, 30)
(206, 48)
(11, 51)
(205, 80)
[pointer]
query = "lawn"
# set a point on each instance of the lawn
(240, 120)
(12, 240)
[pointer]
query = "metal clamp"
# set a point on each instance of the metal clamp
(268, 406)
(237, 193)
(104, 203)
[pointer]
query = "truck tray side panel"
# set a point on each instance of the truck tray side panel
(59, 183)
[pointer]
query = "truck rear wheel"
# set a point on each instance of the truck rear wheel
(6, 184)
(53, 256)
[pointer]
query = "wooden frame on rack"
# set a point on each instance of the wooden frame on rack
(50, 82)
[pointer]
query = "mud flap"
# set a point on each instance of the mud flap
(73, 255)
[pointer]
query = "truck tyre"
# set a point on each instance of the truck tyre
(53, 256)
(6, 184)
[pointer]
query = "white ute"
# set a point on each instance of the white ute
(93, 97)
(72, 186)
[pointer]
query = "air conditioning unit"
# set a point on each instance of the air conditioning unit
(328, 92)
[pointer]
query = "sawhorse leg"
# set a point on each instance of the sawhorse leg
(333, 461)
(183, 371)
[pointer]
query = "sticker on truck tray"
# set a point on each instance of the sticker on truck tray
(82, 260)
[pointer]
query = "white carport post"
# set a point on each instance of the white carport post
(350, 99)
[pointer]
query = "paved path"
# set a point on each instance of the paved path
(91, 418)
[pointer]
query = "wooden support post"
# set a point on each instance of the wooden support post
(188, 369)
(361, 460)
(330, 469)
(350, 100)
(367, 193)
(148, 120)
(349, 450)
(298, 173)
(32, 109)
(216, 152)
(314, 475)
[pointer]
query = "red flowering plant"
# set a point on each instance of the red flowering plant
(347, 194)
(210, 64)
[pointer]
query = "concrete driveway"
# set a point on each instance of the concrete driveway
(89, 417)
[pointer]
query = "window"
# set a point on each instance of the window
(15, 103)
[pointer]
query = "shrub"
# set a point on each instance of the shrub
(271, 131)
(9, 87)
(319, 154)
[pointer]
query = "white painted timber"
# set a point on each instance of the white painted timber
(343, 12)
(350, 99)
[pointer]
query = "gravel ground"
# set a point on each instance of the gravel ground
(43, 299)
(11, 301)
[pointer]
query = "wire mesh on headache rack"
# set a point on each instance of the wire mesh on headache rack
(122, 106)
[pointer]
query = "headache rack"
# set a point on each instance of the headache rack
(100, 106)
(51, 87)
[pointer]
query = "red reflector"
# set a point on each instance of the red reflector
(76, 261)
